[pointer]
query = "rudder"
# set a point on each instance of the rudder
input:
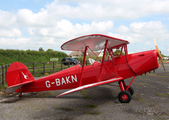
(17, 76)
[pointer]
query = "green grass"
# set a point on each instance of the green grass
(44, 94)
(90, 106)
(66, 109)
(2, 88)
(138, 97)
(92, 113)
(162, 94)
(164, 61)
(83, 93)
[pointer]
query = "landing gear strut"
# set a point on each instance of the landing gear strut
(20, 94)
(131, 90)
(126, 92)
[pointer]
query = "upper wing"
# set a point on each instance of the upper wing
(94, 41)
(91, 85)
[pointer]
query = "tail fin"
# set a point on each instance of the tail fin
(17, 76)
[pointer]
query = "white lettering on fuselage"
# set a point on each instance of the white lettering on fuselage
(47, 84)
(57, 82)
(62, 81)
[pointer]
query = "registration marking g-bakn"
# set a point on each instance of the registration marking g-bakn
(62, 81)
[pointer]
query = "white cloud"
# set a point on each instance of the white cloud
(16, 43)
(123, 29)
(54, 24)
(27, 18)
(149, 43)
(106, 9)
(53, 37)
(44, 32)
(152, 29)
(142, 31)
(65, 29)
(7, 19)
(8, 25)
(13, 32)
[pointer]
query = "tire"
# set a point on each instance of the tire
(63, 62)
(124, 97)
(131, 90)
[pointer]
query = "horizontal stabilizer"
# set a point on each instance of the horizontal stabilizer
(90, 85)
(13, 88)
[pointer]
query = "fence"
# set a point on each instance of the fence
(38, 68)
(3, 70)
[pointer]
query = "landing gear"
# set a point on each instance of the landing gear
(131, 90)
(20, 94)
(124, 97)
(125, 94)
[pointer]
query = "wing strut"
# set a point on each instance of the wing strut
(100, 75)
(84, 58)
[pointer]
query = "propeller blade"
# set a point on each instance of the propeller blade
(162, 64)
(159, 54)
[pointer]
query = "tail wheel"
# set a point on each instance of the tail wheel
(131, 90)
(20, 94)
(124, 97)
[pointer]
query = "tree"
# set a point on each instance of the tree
(41, 49)
(117, 53)
(49, 50)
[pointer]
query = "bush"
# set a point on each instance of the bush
(10, 56)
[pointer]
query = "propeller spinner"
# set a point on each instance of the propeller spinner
(159, 54)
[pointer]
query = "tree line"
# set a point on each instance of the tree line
(29, 56)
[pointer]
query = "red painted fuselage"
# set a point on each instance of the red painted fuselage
(124, 66)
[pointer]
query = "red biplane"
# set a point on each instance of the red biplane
(106, 69)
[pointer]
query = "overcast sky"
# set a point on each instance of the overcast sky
(30, 24)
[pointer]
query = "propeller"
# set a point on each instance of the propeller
(159, 54)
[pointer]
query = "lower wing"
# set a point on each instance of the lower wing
(91, 85)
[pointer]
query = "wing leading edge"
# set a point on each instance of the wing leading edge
(94, 42)
(91, 85)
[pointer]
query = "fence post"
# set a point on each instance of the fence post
(2, 75)
(53, 66)
(43, 68)
(81, 62)
(61, 65)
(68, 64)
(33, 68)
(6, 68)
(86, 62)
(0, 80)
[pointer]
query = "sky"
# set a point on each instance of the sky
(31, 24)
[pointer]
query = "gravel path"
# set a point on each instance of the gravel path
(149, 102)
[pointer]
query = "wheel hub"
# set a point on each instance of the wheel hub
(124, 97)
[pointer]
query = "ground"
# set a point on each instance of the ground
(149, 102)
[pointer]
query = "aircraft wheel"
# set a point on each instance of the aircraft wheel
(20, 94)
(131, 90)
(124, 97)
